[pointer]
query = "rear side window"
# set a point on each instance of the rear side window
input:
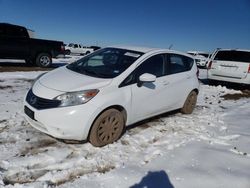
(239, 56)
(179, 63)
(16, 32)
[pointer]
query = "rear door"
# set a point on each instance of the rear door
(170, 89)
(180, 78)
(229, 63)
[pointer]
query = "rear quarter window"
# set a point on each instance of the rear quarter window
(179, 63)
(239, 56)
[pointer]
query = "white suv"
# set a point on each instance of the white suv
(96, 97)
(230, 66)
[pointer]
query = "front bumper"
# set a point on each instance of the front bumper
(64, 122)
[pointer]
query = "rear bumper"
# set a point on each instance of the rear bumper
(245, 80)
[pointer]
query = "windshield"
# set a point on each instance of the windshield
(105, 63)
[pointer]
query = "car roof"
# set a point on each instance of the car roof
(197, 52)
(237, 49)
(148, 49)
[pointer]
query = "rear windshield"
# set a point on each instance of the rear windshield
(239, 56)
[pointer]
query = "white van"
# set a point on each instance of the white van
(230, 66)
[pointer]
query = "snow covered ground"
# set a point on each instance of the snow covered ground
(209, 148)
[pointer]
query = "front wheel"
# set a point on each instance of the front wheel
(107, 128)
(190, 103)
(43, 60)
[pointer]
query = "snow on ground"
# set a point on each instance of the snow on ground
(209, 148)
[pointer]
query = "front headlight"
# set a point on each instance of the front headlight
(76, 98)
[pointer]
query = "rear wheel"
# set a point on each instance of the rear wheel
(107, 128)
(190, 103)
(43, 60)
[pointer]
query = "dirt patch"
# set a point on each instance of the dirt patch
(237, 96)
(24, 69)
(24, 80)
(22, 177)
(5, 87)
(37, 147)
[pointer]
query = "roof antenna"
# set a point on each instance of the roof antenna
(171, 45)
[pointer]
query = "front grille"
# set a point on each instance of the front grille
(41, 103)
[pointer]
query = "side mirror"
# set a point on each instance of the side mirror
(146, 78)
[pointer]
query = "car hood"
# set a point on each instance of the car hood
(65, 80)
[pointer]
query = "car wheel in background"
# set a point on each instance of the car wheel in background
(190, 103)
(87, 52)
(107, 128)
(43, 60)
(67, 52)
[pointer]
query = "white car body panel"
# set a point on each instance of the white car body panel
(74, 81)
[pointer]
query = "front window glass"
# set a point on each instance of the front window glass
(153, 65)
(105, 63)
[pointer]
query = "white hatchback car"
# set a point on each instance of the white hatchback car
(96, 97)
(230, 66)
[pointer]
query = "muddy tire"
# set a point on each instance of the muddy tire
(43, 60)
(190, 103)
(107, 128)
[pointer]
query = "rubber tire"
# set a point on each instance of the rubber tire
(93, 135)
(190, 103)
(67, 52)
(88, 52)
(38, 58)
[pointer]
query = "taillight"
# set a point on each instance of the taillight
(249, 68)
(62, 48)
(209, 65)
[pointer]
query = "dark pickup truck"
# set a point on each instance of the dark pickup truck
(15, 43)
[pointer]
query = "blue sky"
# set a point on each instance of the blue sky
(188, 25)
